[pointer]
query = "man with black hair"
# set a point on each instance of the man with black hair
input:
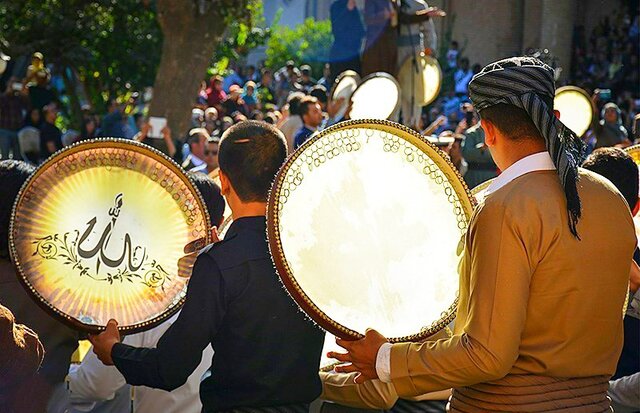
(538, 327)
(311, 115)
(210, 157)
(619, 168)
(197, 141)
(266, 352)
(320, 92)
(59, 341)
(330, 108)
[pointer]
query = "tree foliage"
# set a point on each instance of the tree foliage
(113, 46)
(241, 37)
(307, 43)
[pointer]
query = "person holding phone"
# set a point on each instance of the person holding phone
(169, 148)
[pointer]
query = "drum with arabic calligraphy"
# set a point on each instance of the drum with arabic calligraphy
(108, 228)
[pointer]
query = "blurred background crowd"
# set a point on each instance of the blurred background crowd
(35, 114)
(122, 70)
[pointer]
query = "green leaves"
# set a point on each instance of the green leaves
(241, 37)
(107, 43)
(308, 43)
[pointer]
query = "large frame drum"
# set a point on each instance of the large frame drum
(365, 225)
(421, 80)
(345, 84)
(576, 110)
(108, 228)
(377, 97)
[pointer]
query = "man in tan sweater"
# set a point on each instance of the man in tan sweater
(544, 274)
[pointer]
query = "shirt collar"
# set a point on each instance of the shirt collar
(257, 223)
(540, 161)
(196, 161)
(311, 128)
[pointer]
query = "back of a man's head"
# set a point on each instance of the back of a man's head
(250, 155)
(619, 168)
(319, 92)
(213, 199)
(512, 121)
(294, 102)
(13, 174)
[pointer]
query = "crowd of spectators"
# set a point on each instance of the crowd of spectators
(297, 101)
(605, 64)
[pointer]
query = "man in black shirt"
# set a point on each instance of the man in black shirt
(266, 352)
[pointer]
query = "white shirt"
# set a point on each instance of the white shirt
(92, 381)
(196, 161)
(540, 161)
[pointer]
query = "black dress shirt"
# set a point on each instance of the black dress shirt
(267, 352)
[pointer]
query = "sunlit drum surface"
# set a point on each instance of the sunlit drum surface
(344, 87)
(365, 225)
(421, 79)
(432, 76)
(377, 97)
(99, 232)
(575, 108)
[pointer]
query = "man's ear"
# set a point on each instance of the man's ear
(489, 132)
(225, 188)
(557, 113)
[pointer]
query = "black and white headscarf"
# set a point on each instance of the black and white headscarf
(521, 82)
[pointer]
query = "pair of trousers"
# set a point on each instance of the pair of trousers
(9, 144)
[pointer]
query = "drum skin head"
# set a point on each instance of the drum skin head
(377, 97)
(343, 87)
(365, 225)
(574, 105)
(100, 231)
(423, 79)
